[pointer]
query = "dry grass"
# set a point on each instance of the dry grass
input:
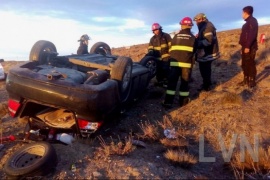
(116, 148)
(231, 98)
(166, 123)
(249, 165)
(149, 131)
(172, 143)
(3, 109)
(180, 158)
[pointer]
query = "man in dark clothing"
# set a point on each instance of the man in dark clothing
(159, 46)
(181, 61)
(208, 49)
(83, 48)
(248, 41)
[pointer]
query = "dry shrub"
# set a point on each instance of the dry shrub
(180, 158)
(231, 98)
(117, 148)
(3, 109)
(249, 165)
(150, 131)
(173, 142)
(167, 123)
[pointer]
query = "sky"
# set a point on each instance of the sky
(117, 22)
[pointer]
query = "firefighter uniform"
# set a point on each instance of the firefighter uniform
(159, 46)
(181, 60)
(208, 48)
(83, 48)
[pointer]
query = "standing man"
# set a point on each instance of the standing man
(208, 49)
(159, 46)
(181, 54)
(248, 41)
(83, 48)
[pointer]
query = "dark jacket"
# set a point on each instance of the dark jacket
(182, 50)
(83, 49)
(207, 40)
(248, 37)
(159, 46)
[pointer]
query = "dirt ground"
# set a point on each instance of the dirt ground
(206, 114)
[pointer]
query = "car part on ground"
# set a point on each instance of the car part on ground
(34, 159)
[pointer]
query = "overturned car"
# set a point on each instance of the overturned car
(74, 93)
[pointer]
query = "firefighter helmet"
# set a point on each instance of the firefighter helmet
(84, 37)
(155, 26)
(186, 21)
(199, 16)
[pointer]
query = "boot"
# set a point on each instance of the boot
(252, 83)
(183, 101)
(166, 105)
(204, 87)
(244, 82)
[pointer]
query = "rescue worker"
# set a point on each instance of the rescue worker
(248, 41)
(158, 47)
(182, 52)
(83, 48)
(208, 49)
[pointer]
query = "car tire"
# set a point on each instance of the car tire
(35, 159)
(150, 63)
(40, 51)
(121, 72)
(101, 48)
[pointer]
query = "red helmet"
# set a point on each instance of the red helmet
(155, 26)
(186, 21)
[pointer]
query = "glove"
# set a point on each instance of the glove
(150, 53)
(166, 59)
(200, 53)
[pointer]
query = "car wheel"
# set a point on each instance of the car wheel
(121, 72)
(150, 63)
(40, 51)
(35, 159)
(101, 48)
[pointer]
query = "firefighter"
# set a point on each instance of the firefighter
(248, 41)
(83, 48)
(208, 49)
(181, 61)
(159, 46)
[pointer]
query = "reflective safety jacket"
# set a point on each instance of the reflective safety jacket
(207, 40)
(182, 49)
(83, 49)
(160, 45)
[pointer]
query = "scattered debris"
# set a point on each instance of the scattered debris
(170, 133)
(139, 143)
